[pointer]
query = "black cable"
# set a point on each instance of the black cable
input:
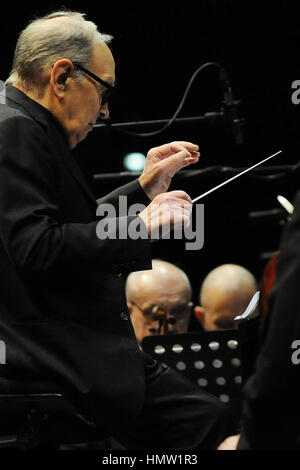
(184, 174)
(168, 124)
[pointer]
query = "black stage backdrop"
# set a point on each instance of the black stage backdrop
(157, 47)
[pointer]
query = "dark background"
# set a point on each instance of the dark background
(157, 48)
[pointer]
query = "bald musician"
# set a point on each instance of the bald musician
(225, 293)
(165, 287)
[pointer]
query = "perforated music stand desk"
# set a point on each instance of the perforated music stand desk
(211, 359)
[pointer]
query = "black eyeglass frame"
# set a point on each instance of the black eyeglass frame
(109, 88)
(172, 319)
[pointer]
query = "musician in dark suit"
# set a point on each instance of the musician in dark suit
(63, 312)
(271, 407)
(271, 395)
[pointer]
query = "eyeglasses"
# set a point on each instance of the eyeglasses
(155, 313)
(108, 86)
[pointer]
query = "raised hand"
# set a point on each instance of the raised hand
(167, 212)
(163, 162)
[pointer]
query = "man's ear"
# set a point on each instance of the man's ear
(63, 78)
(199, 314)
(60, 73)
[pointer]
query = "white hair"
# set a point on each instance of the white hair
(44, 42)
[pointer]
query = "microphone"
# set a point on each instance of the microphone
(230, 109)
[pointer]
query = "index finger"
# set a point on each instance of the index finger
(167, 150)
(181, 194)
(187, 145)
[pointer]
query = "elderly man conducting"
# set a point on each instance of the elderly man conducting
(63, 313)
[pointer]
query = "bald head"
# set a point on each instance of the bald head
(164, 278)
(225, 293)
(165, 286)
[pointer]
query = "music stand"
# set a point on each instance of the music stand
(211, 359)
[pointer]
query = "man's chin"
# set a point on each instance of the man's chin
(72, 144)
(73, 141)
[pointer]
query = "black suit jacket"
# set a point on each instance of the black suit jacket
(272, 394)
(63, 313)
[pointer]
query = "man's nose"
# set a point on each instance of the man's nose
(104, 112)
(171, 323)
(154, 327)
